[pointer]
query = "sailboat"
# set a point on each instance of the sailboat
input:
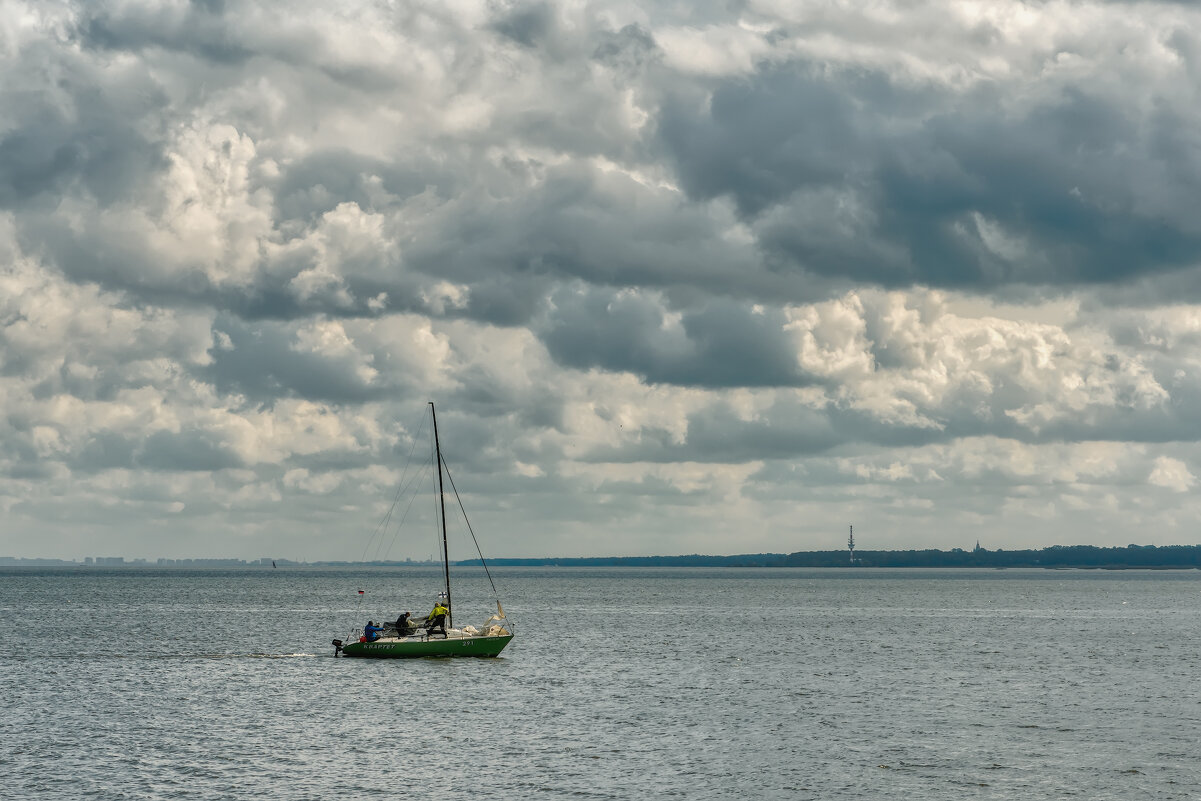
(488, 639)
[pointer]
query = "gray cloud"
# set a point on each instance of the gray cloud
(192, 450)
(263, 363)
(721, 344)
(526, 24)
(732, 261)
(82, 132)
(200, 28)
(758, 141)
(855, 177)
(317, 183)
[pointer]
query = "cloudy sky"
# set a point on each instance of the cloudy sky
(715, 277)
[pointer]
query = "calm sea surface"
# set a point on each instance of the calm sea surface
(621, 683)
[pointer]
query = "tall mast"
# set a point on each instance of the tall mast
(442, 504)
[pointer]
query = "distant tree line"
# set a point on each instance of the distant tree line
(1085, 556)
(1054, 556)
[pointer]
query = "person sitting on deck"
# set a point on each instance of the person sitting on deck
(402, 624)
(437, 619)
(371, 631)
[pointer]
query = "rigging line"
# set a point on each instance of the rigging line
(405, 489)
(400, 490)
(381, 525)
(388, 518)
(381, 528)
(400, 525)
(487, 572)
(412, 496)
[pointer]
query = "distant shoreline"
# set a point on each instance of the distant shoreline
(1084, 557)
(1055, 557)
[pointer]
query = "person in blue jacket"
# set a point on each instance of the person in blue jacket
(371, 631)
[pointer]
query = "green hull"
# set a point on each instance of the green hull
(411, 649)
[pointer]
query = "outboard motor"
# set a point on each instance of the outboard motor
(337, 647)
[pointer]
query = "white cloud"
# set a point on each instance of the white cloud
(714, 50)
(1171, 474)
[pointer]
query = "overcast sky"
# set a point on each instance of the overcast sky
(715, 277)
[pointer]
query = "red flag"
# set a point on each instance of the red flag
(360, 592)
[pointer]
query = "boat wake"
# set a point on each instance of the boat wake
(256, 656)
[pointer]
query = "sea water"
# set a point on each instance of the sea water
(621, 683)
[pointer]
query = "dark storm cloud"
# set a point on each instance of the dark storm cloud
(1065, 177)
(479, 394)
(516, 245)
(526, 24)
(186, 450)
(627, 52)
(106, 450)
(721, 344)
(850, 176)
(30, 468)
(759, 141)
(201, 28)
(84, 132)
(262, 362)
(505, 299)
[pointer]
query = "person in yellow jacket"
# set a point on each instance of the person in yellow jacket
(437, 619)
